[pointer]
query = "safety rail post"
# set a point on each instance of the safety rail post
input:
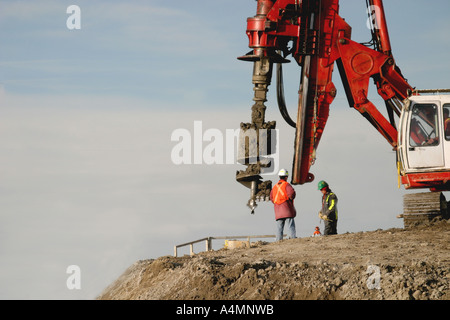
(190, 244)
(208, 242)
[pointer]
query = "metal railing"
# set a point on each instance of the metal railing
(208, 242)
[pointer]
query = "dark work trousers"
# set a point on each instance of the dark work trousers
(330, 227)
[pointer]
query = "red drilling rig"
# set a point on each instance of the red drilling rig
(315, 36)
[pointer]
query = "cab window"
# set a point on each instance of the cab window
(447, 121)
(423, 125)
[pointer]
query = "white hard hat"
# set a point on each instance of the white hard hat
(283, 173)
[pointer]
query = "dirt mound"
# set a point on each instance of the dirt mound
(394, 264)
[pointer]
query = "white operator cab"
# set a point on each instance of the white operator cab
(424, 134)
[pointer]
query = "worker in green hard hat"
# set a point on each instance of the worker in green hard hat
(329, 211)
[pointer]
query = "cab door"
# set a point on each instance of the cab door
(425, 144)
(446, 133)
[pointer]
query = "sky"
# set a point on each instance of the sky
(87, 117)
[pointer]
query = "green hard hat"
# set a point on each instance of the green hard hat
(322, 184)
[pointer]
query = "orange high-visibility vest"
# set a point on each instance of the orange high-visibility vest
(279, 192)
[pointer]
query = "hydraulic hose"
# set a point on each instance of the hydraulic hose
(280, 97)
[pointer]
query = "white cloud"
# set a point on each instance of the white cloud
(95, 185)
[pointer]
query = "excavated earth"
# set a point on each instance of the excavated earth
(393, 264)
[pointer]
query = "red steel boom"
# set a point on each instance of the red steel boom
(316, 37)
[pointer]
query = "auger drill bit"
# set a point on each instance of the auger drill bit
(257, 138)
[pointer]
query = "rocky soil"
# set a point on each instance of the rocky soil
(394, 264)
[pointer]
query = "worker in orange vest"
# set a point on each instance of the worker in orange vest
(282, 195)
(317, 232)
